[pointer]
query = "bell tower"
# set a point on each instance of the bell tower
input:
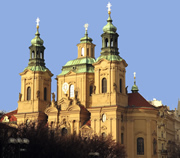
(110, 70)
(35, 84)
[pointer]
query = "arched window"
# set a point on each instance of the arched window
(115, 43)
(140, 146)
(104, 85)
(120, 85)
(29, 93)
(154, 146)
(87, 51)
(71, 92)
(111, 42)
(41, 55)
(104, 135)
(92, 53)
(122, 138)
(106, 42)
(45, 93)
(64, 132)
(32, 54)
(91, 90)
(37, 54)
(82, 51)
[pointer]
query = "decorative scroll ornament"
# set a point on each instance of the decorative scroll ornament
(65, 87)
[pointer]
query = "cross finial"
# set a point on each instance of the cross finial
(134, 75)
(86, 26)
(37, 22)
(109, 7)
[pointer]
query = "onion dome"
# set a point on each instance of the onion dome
(134, 88)
(109, 27)
(37, 41)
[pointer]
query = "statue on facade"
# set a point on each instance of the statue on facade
(115, 87)
(20, 96)
(53, 97)
(38, 94)
(94, 89)
(126, 89)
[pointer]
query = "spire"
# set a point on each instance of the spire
(36, 61)
(134, 88)
(86, 39)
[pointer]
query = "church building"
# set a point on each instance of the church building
(92, 98)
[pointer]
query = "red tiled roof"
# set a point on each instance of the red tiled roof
(137, 100)
(10, 115)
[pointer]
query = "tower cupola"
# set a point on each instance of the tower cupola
(134, 88)
(37, 50)
(86, 47)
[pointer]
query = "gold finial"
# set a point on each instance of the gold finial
(109, 8)
(37, 23)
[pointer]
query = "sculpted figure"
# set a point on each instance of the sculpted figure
(94, 89)
(38, 94)
(20, 96)
(115, 87)
(127, 90)
(53, 97)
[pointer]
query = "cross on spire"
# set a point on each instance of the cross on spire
(134, 75)
(109, 7)
(86, 26)
(37, 22)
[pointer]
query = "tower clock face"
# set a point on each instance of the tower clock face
(65, 87)
(103, 117)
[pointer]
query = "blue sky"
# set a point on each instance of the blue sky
(149, 41)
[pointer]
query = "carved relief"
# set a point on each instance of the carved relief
(103, 127)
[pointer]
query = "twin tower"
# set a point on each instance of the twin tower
(91, 93)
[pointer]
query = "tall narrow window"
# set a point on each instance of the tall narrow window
(91, 90)
(37, 54)
(41, 55)
(92, 53)
(154, 146)
(115, 43)
(122, 138)
(87, 51)
(111, 42)
(120, 85)
(104, 85)
(122, 118)
(106, 42)
(82, 51)
(29, 93)
(71, 93)
(32, 54)
(45, 93)
(140, 146)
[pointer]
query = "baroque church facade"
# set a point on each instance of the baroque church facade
(92, 98)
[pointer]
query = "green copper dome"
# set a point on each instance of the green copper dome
(109, 27)
(79, 65)
(134, 88)
(86, 39)
(37, 41)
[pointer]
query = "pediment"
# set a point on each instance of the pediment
(70, 73)
(73, 108)
(101, 61)
(50, 110)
